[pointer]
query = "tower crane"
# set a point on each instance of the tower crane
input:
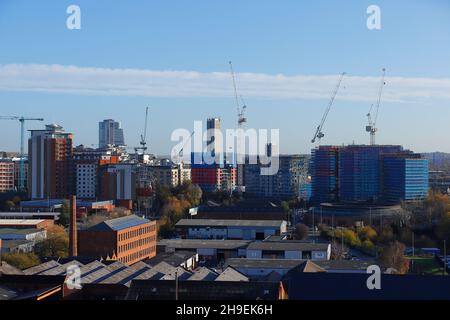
(242, 120)
(22, 120)
(143, 141)
(319, 134)
(240, 110)
(371, 128)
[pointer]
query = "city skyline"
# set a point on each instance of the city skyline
(167, 60)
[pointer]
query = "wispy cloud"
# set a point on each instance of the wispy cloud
(138, 82)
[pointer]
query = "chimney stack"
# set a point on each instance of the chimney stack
(73, 246)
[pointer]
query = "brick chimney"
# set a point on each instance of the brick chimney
(73, 246)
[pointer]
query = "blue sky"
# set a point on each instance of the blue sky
(173, 56)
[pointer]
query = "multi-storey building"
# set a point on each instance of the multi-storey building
(359, 173)
(50, 163)
(127, 239)
(285, 183)
(110, 134)
(405, 177)
(325, 175)
(87, 163)
(7, 175)
(118, 182)
(17, 172)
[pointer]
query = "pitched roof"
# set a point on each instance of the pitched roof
(204, 244)
(119, 223)
(42, 267)
(203, 274)
(6, 268)
(231, 274)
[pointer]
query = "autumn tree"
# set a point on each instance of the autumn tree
(21, 260)
(367, 233)
(301, 232)
(392, 256)
(56, 244)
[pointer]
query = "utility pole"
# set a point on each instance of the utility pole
(445, 257)
(176, 286)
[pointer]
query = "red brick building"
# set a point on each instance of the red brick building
(128, 239)
(50, 174)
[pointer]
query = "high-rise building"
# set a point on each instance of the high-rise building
(50, 174)
(284, 184)
(110, 134)
(213, 145)
(324, 173)
(6, 175)
(87, 165)
(360, 173)
(405, 177)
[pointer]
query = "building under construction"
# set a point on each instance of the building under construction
(370, 174)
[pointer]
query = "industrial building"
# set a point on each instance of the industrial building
(291, 250)
(230, 229)
(128, 239)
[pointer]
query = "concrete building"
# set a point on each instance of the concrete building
(213, 144)
(230, 229)
(128, 240)
(7, 170)
(33, 235)
(26, 223)
(361, 173)
(118, 182)
(50, 167)
(290, 250)
(88, 164)
(284, 184)
(110, 134)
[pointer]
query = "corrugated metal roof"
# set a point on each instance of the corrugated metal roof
(229, 223)
(120, 223)
(288, 246)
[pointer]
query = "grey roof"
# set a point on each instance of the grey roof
(170, 272)
(229, 223)
(174, 258)
(62, 269)
(231, 274)
(125, 276)
(119, 223)
(42, 267)
(287, 264)
(263, 263)
(288, 246)
(204, 244)
(6, 268)
(203, 274)
(4, 231)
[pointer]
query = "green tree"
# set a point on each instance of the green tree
(21, 260)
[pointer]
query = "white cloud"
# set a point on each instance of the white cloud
(136, 82)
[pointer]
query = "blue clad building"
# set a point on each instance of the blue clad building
(405, 178)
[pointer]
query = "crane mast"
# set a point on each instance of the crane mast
(371, 128)
(319, 134)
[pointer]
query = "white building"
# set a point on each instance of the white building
(291, 250)
(230, 229)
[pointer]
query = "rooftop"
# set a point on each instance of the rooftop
(195, 244)
(288, 245)
(119, 223)
(20, 222)
(228, 223)
(5, 231)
